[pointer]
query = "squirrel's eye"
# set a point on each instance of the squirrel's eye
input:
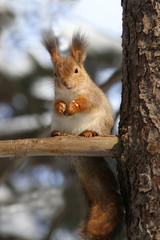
(55, 74)
(76, 70)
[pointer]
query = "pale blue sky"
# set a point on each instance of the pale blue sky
(103, 19)
(105, 15)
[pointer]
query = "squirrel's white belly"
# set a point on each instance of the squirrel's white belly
(77, 123)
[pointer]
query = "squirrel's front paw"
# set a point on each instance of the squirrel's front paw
(72, 108)
(60, 107)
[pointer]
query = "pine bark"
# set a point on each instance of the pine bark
(140, 118)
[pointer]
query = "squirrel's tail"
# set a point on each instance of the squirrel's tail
(105, 206)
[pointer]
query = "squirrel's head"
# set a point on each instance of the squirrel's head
(69, 71)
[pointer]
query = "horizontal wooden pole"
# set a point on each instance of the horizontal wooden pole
(61, 146)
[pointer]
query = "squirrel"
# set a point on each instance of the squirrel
(81, 108)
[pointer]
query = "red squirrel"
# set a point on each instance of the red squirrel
(81, 108)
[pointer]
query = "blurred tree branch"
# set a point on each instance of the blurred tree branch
(54, 223)
(116, 76)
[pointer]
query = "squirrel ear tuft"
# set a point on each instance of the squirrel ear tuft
(49, 42)
(79, 45)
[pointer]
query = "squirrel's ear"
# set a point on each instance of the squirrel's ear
(79, 45)
(49, 42)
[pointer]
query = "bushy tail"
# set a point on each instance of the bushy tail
(105, 207)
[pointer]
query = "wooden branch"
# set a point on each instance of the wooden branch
(61, 146)
(115, 77)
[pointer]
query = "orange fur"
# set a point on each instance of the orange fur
(79, 44)
(76, 93)
(60, 107)
(80, 104)
(105, 212)
(55, 133)
(88, 134)
(64, 69)
(50, 44)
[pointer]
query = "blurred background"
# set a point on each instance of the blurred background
(40, 198)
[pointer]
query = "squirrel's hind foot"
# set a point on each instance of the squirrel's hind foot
(88, 134)
(55, 133)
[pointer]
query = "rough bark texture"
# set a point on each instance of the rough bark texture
(140, 118)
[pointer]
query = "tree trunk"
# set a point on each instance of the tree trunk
(140, 118)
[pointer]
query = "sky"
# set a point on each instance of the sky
(104, 15)
(101, 19)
